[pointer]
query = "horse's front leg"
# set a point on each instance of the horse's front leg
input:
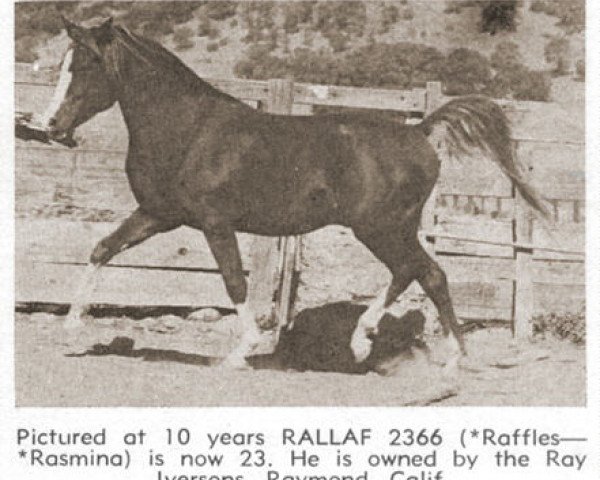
(223, 245)
(135, 229)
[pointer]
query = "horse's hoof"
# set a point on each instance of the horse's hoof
(73, 322)
(361, 347)
(234, 362)
(450, 369)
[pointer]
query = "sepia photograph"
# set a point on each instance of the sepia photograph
(300, 203)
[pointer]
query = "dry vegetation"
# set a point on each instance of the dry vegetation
(519, 49)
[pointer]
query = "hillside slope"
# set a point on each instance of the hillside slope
(212, 37)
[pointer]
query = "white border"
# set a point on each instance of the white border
(583, 421)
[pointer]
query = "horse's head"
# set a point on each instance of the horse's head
(85, 87)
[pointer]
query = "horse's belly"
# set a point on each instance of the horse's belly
(291, 214)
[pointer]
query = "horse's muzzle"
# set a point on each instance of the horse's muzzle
(62, 137)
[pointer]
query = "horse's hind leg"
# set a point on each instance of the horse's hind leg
(408, 261)
(135, 229)
(393, 252)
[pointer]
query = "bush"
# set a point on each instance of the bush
(533, 86)
(258, 18)
(400, 65)
(567, 326)
(498, 15)
(537, 6)
(335, 18)
(408, 13)
(26, 49)
(183, 38)
(212, 47)
(456, 6)
(296, 14)
(156, 19)
(558, 52)
(338, 42)
(506, 56)
(259, 64)
(213, 33)
(571, 13)
(466, 71)
(388, 15)
(204, 27)
(220, 10)
(34, 23)
(520, 83)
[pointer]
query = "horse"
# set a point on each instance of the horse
(201, 158)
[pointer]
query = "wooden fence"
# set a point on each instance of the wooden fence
(500, 264)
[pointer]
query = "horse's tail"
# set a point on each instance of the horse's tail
(477, 122)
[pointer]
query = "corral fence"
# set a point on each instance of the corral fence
(501, 265)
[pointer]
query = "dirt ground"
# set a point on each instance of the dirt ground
(169, 361)
(169, 358)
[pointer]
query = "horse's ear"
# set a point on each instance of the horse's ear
(105, 32)
(81, 35)
(71, 28)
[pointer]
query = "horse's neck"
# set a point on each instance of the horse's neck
(163, 104)
(143, 96)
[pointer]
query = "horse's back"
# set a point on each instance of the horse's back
(288, 174)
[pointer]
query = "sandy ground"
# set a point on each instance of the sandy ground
(170, 361)
(128, 357)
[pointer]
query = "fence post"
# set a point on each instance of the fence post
(523, 285)
(433, 95)
(267, 264)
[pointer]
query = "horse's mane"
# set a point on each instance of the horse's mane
(159, 59)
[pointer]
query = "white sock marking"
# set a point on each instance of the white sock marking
(250, 336)
(82, 298)
(60, 92)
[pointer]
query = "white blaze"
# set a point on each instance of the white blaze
(60, 92)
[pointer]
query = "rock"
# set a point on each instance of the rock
(171, 321)
(166, 324)
(121, 345)
(207, 315)
(42, 317)
(106, 321)
(227, 326)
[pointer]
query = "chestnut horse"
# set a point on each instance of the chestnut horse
(201, 158)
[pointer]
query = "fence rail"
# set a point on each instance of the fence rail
(280, 96)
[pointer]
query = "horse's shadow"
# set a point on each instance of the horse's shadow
(319, 341)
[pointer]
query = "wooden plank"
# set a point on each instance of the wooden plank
(307, 94)
(282, 102)
(485, 269)
(401, 100)
(50, 283)
(473, 174)
(489, 300)
(289, 264)
(60, 241)
(263, 281)
(555, 298)
(477, 228)
(556, 169)
(570, 236)
(524, 289)
(428, 216)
